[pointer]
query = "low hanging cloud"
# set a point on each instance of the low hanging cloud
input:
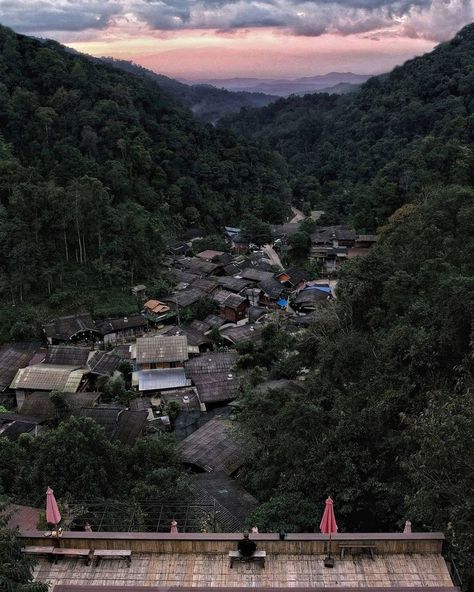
(427, 19)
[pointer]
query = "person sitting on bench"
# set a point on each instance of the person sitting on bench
(246, 547)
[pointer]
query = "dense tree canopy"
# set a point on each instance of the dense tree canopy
(384, 423)
(367, 153)
(98, 167)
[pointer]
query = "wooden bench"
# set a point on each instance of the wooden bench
(38, 550)
(362, 546)
(112, 554)
(60, 552)
(258, 556)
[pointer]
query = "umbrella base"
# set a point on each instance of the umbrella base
(329, 561)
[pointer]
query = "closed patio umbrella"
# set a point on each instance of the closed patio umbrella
(329, 526)
(53, 515)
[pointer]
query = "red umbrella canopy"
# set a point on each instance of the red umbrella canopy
(328, 522)
(53, 515)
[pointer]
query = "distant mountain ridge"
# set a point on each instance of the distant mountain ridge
(286, 87)
(205, 101)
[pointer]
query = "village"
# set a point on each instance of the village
(174, 365)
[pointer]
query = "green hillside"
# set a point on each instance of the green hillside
(99, 167)
(367, 153)
(206, 102)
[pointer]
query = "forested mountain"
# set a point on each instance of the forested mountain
(98, 167)
(385, 421)
(205, 101)
(365, 154)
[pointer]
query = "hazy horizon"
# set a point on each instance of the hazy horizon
(196, 39)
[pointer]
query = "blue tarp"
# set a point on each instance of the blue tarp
(282, 303)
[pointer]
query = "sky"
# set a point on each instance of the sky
(202, 39)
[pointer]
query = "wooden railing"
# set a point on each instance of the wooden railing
(299, 544)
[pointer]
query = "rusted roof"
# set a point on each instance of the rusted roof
(103, 363)
(209, 254)
(163, 348)
(48, 377)
(67, 355)
(14, 356)
(214, 447)
(156, 307)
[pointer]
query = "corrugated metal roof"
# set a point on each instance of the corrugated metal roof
(12, 357)
(48, 377)
(162, 349)
(67, 355)
(103, 363)
(163, 378)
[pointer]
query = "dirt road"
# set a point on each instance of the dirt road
(297, 216)
(272, 255)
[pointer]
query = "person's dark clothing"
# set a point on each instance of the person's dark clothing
(246, 547)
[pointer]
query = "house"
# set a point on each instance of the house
(213, 376)
(255, 275)
(334, 236)
(73, 328)
(14, 356)
(195, 334)
(308, 299)
(103, 363)
(39, 404)
(179, 276)
(293, 278)
(119, 424)
(242, 333)
(184, 298)
(207, 285)
(161, 351)
(233, 284)
(210, 255)
(123, 329)
(271, 292)
(235, 307)
(201, 268)
(366, 241)
(177, 248)
(330, 258)
(214, 321)
(47, 378)
(67, 355)
(155, 310)
(213, 447)
(139, 292)
(12, 425)
(154, 381)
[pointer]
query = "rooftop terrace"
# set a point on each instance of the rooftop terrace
(201, 561)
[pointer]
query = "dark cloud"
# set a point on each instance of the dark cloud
(428, 19)
(40, 16)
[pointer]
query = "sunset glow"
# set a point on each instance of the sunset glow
(223, 38)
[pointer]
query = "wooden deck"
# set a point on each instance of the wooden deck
(282, 571)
